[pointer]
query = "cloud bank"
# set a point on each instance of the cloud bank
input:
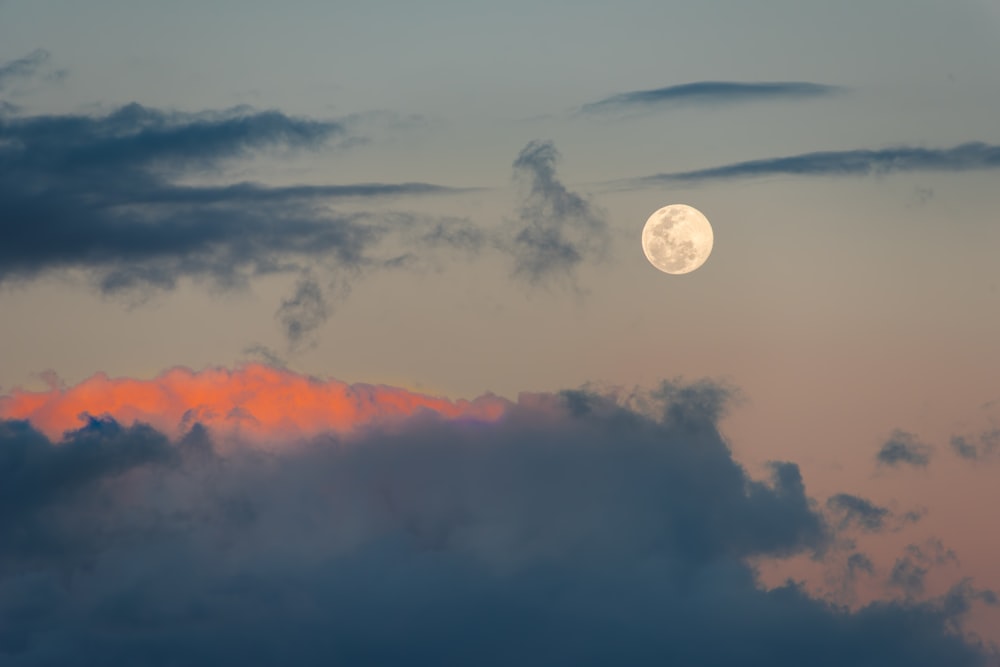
(568, 529)
(711, 93)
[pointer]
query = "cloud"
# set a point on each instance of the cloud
(976, 448)
(964, 157)
(909, 572)
(254, 402)
(24, 67)
(110, 195)
(567, 530)
(904, 448)
(557, 229)
(858, 511)
(711, 93)
(304, 311)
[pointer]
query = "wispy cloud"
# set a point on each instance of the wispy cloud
(904, 448)
(107, 195)
(856, 510)
(977, 448)
(25, 67)
(571, 531)
(711, 93)
(964, 157)
(557, 229)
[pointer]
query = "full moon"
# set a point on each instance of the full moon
(677, 239)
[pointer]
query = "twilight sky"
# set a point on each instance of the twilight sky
(347, 255)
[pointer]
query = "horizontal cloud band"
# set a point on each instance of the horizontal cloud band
(965, 157)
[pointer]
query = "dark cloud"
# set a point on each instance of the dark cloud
(109, 195)
(711, 93)
(858, 511)
(557, 229)
(97, 193)
(572, 531)
(904, 448)
(965, 157)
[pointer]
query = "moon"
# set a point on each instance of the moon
(677, 239)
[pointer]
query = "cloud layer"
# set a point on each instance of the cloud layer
(862, 162)
(569, 529)
(711, 93)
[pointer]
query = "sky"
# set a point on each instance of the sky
(326, 334)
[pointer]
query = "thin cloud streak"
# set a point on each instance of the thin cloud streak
(711, 93)
(964, 157)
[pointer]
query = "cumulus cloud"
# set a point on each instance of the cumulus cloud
(861, 162)
(904, 448)
(557, 229)
(711, 93)
(565, 530)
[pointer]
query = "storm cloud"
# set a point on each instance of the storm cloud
(556, 228)
(711, 93)
(862, 162)
(569, 530)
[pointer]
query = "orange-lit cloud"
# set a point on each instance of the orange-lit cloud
(254, 401)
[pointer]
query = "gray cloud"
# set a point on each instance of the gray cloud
(909, 572)
(964, 157)
(24, 67)
(904, 448)
(976, 448)
(574, 531)
(104, 194)
(304, 311)
(711, 93)
(557, 229)
(858, 511)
